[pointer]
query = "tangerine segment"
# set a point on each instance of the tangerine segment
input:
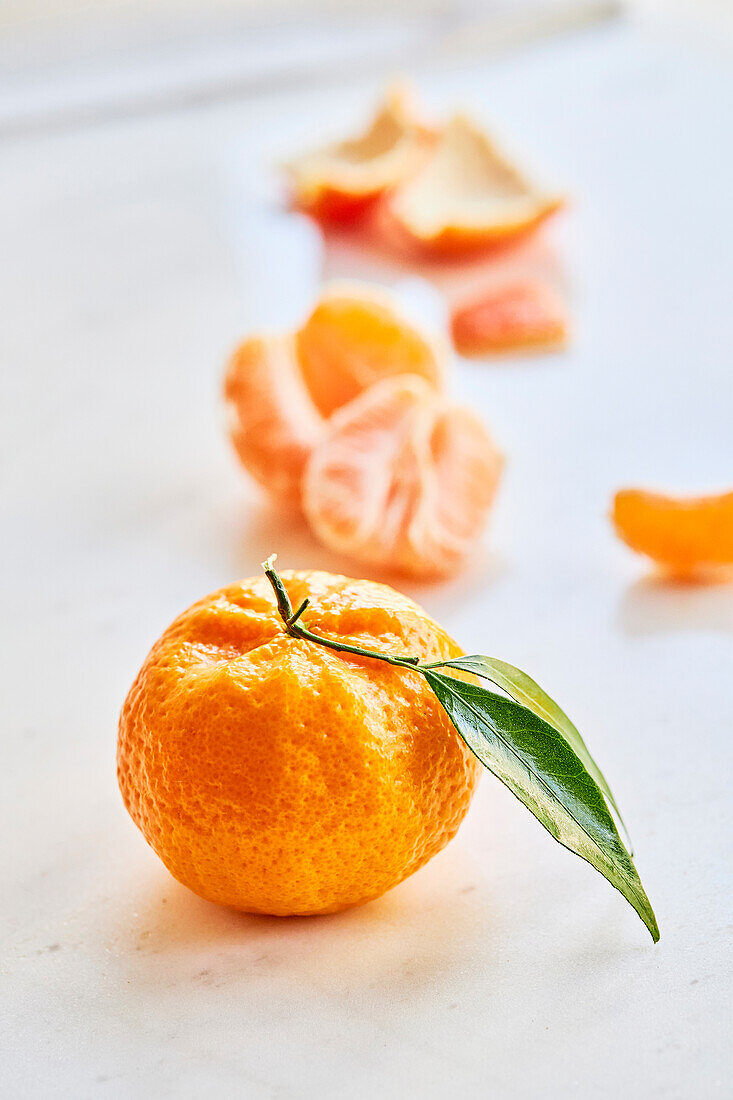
(519, 316)
(355, 337)
(679, 533)
(402, 480)
(273, 422)
(466, 195)
(340, 181)
(276, 776)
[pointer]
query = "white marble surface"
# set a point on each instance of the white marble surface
(132, 257)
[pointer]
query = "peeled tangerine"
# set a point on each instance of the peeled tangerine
(519, 316)
(680, 534)
(339, 182)
(465, 196)
(279, 389)
(402, 480)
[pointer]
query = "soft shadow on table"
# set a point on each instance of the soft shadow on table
(402, 944)
(658, 604)
(263, 527)
(362, 255)
(266, 528)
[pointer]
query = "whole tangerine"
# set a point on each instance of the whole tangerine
(276, 776)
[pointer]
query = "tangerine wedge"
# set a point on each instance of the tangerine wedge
(402, 480)
(519, 316)
(680, 534)
(354, 337)
(273, 422)
(465, 196)
(340, 181)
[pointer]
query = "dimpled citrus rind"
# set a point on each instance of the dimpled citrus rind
(276, 776)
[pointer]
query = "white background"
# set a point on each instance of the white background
(134, 255)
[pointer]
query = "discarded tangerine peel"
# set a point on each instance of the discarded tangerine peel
(465, 196)
(340, 182)
(681, 534)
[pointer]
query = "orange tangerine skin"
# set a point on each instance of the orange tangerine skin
(466, 195)
(452, 242)
(456, 240)
(338, 183)
(351, 341)
(331, 207)
(681, 534)
(519, 316)
(276, 776)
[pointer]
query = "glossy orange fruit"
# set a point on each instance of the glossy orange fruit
(680, 533)
(276, 776)
(402, 479)
(519, 316)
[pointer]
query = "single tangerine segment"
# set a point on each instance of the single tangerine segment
(681, 534)
(465, 196)
(402, 480)
(519, 316)
(340, 182)
(354, 337)
(273, 422)
(276, 776)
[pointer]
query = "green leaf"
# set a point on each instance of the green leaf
(524, 689)
(540, 766)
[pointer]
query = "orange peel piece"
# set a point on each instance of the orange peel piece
(402, 480)
(518, 316)
(273, 422)
(354, 337)
(340, 181)
(682, 534)
(466, 195)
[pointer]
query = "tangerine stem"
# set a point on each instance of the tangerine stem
(294, 618)
(297, 630)
(284, 605)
